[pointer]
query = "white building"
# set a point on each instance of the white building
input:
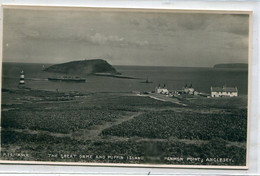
(224, 91)
(188, 89)
(162, 90)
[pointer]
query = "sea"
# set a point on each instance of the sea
(174, 78)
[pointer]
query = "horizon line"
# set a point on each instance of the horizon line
(129, 65)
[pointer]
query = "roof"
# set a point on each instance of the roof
(223, 89)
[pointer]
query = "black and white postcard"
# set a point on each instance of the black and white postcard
(125, 87)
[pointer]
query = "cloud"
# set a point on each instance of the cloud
(32, 33)
(237, 43)
(176, 38)
(193, 21)
(233, 24)
(102, 39)
(142, 43)
(134, 22)
(94, 39)
(114, 40)
(239, 24)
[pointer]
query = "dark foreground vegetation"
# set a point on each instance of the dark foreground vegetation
(58, 121)
(166, 124)
(121, 128)
(38, 146)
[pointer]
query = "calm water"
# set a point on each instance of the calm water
(174, 77)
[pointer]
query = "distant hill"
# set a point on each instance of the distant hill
(83, 67)
(233, 65)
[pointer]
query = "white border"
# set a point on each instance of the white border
(254, 66)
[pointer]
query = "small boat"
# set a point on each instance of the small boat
(67, 79)
(146, 81)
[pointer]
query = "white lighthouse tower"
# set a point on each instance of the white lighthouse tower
(22, 78)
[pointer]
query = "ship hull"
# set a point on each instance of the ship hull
(67, 79)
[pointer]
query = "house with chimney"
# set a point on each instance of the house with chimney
(162, 89)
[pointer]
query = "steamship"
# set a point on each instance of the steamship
(67, 79)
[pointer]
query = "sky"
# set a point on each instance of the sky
(124, 37)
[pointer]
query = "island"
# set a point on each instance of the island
(83, 67)
(232, 65)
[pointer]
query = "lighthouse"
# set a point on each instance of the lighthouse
(22, 78)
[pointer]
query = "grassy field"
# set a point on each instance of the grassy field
(122, 128)
(187, 125)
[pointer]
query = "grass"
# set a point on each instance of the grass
(166, 124)
(239, 102)
(56, 120)
(122, 124)
(39, 145)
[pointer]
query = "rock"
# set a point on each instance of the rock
(83, 67)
